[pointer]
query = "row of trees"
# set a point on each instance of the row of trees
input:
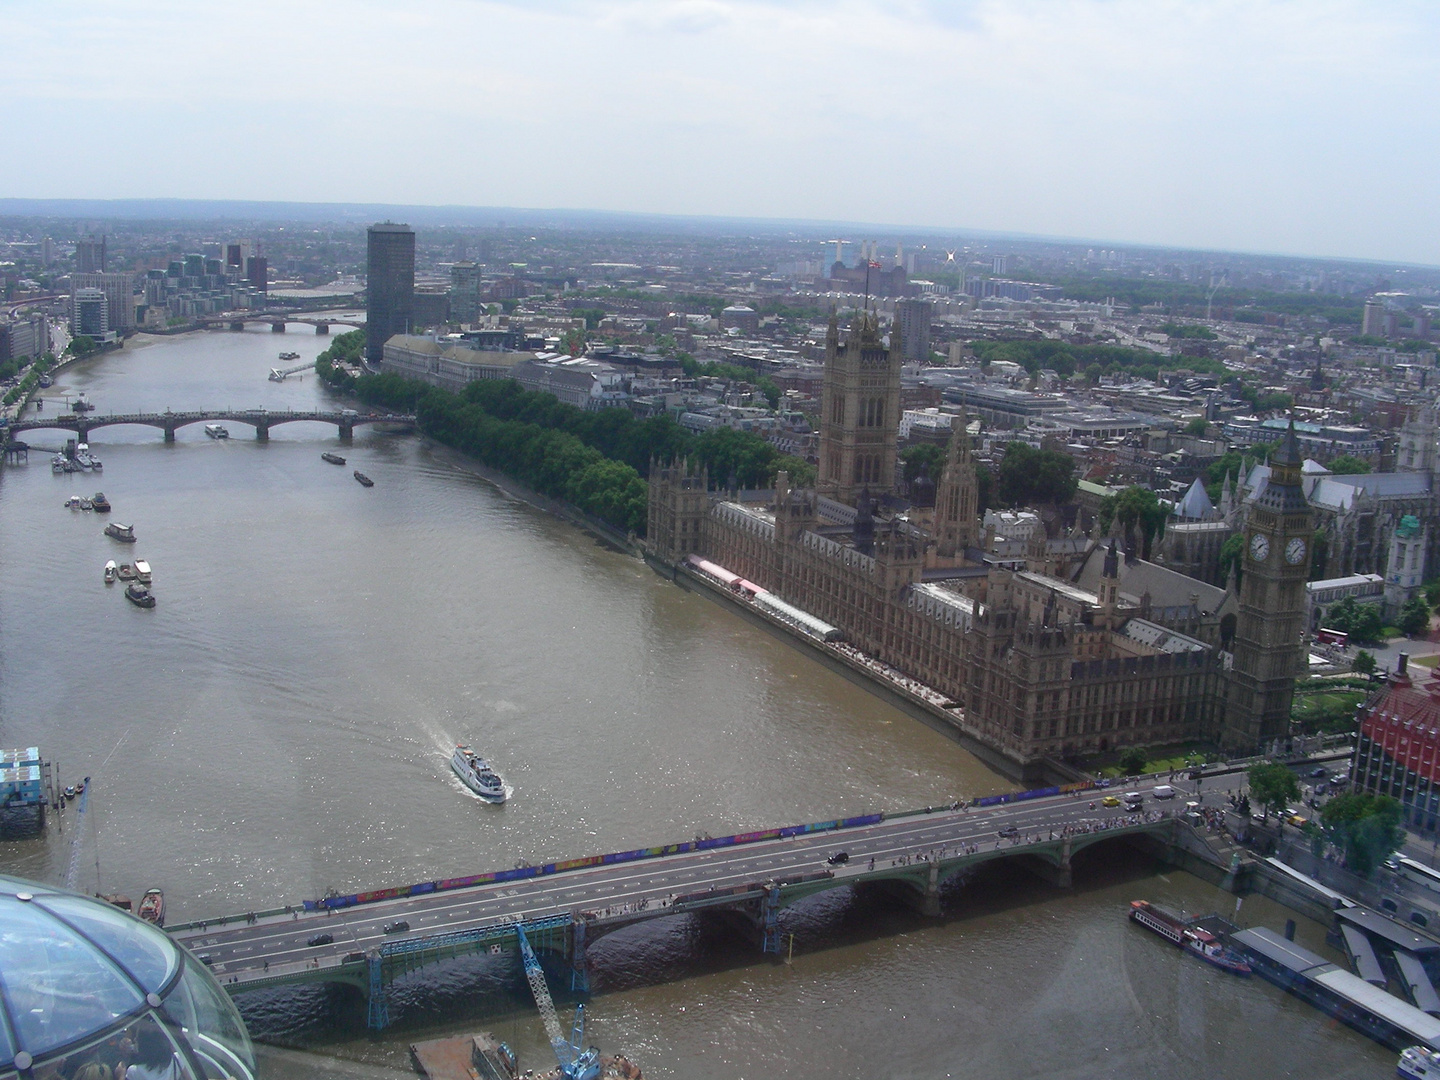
(1365, 828)
(1094, 360)
(595, 459)
(31, 380)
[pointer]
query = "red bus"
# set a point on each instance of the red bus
(1332, 637)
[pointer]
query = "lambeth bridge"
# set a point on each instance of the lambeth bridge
(369, 940)
(346, 420)
(236, 320)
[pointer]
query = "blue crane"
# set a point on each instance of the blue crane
(575, 1063)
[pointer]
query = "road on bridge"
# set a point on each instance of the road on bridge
(237, 951)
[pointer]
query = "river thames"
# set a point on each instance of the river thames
(280, 725)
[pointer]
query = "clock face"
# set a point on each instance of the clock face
(1294, 551)
(1260, 547)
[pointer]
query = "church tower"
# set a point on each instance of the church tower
(1271, 623)
(957, 502)
(859, 411)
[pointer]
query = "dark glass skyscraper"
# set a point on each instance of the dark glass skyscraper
(390, 285)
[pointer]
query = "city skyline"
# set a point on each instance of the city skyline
(1270, 128)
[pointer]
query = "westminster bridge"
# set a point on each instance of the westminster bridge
(744, 880)
(262, 420)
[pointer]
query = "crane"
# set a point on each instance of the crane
(575, 1064)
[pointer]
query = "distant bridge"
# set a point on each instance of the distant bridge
(236, 320)
(169, 422)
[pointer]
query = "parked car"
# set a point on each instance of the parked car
(320, 939)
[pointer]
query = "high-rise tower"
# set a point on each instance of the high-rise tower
(1271, 621)
(389, 287)
(860, 410)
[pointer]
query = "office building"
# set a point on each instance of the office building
(913, 318)
(390, 286)
(90, 255)
(119, 290)
(464, 293)
(89, 313)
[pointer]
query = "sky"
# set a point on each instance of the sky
(1289, 126)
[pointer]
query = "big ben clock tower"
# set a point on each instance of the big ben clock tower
(1271, 623)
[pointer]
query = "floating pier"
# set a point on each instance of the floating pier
(25, 789)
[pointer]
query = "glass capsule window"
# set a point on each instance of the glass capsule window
(89, 992)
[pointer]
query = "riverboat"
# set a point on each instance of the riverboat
(58, 463)
(138, 595)
(96, 463)
(1418, 1063)
(124, 533)
(217, 431)
(70, 792)
(110, 572)
(1194, 939)
(364, 480)
(100, 503)
(478, 776)
(86, 504)
(46, 382)
(72, 503)
(82, 458)
(333, 459)
(125, 572)
(81, 404)
(142, 571)
(152, 907)
(289, 356)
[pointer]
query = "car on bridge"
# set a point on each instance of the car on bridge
(397, 927)
(840, 858)
(1110, 800)
(320, 939)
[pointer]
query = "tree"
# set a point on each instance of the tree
(81, 345)
(1133, 759)
(1361, 621)
(1414, 616)
(1365, 662)
(1196, 427)
(1366, 827)
(1030, 476)
(771, 389)
(923, 455)
(1273, 786)
(1346, 465)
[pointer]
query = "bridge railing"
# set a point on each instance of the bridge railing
(525, 872)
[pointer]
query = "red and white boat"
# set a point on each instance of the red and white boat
(1194, 939)
(152, 907)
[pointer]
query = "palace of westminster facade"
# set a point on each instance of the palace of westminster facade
(1075, 649)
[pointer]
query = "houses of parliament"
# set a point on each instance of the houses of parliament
(1073, 647)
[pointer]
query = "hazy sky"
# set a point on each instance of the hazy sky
(1307, 126)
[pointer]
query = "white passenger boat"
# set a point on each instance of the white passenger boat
(142, 571)
(477, 775)
(110, 572)
(217, 431)
(1418, 1063)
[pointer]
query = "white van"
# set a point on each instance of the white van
(1163, 791)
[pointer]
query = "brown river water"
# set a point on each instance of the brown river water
(280, 725)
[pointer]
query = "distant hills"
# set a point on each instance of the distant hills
(437, 216)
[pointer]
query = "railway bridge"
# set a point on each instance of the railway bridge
(262, 420)
(369, 940)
